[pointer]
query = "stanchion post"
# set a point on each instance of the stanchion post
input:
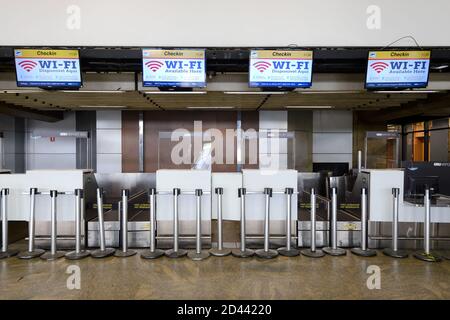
(32, 252)
(288, 251)
(5, 251)
(175, 252)
(312, 252)
(54, 253)
(124, 252)
(242, 252)
(198, 254)
(267, 253)
(427, 255)
(78, 253)
(334, 250)
(393, 251)
(152, 253)
(363, 250)
(219, 251)
(103, 251)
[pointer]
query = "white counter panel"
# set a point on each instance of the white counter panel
(230, 182)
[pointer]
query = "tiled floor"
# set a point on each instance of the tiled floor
(225, 278)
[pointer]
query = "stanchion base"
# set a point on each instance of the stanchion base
(364, 253)
(8, 253)
(334, 252)
(312, 254)
(147, 254)
(50, 257)
(427, 257)
(31, 254)
(395, 253)
(219, 252)
(292, 252)
(175, 254)
(123, 254)
(102, 253)
(73, 255)
(270, 254)
(198, 256)
(247, 253)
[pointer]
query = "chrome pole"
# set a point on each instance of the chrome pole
(125, 252)
(32, 252)
(78, 253)
(393, 251)
(198, 254)
(153, 253)
(54, 253)
(312, 252)
(288, 251)
(219, 251)
(267, 253)
(5, 252)
(243, 252)
(175, 252)
(427, 255)
(364, 251)
(334, 250)
(103, 251)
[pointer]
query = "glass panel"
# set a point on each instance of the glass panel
(439, 145)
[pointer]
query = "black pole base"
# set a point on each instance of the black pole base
(269, 254)
(148, 254)
(292, 252)
(73, 255)
(124, 254)
(312, 254)
(220, 252)
(31, 254)
(175, 254)
(395, 253)
(198, 256)
(8, 253)
(334, 252)
(427, 257)
(363, 253)
(102, 253)
(247, 253)
(50, 257)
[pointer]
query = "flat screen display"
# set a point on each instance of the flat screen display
(173, 68)
(280, 68)
(397, 69)
(47, 68)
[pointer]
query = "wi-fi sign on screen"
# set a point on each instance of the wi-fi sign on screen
(262, 66)
(379, 66)
(27, 65)
(154, 65)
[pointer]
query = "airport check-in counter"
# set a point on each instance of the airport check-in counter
(411, 212)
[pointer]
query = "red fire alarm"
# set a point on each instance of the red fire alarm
(52, 139)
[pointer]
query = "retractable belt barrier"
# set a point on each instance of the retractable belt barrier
(123, 213)
(153, 252)
(220, 251)
(364, 251)
(313, 252)
(334, 250)
(288, 251)
(394, 252)
(103, 251)
(5, 252)
(79, 212)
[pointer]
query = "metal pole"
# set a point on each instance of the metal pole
(125, 252)
(153, 253)
(243, 252)
(267, 253)
(359, 160)
(103, 251)
(31, 252)
(198, 254)
(5, 252)
(312, 252)
(219, 251)
(334, 250)
(175, 252)
(393, 251)
(427, 255)
(78, 253)
(54, 253)
(288, 251)
(364, 251)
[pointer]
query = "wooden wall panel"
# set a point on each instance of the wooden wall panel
(130, 141)
(250, 120)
